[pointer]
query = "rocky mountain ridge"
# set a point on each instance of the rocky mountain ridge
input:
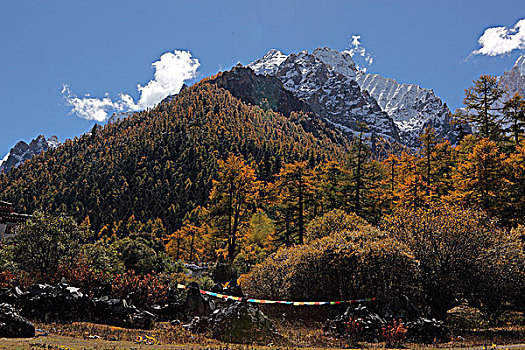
(412, 107)
(330, 83)
(514, 79)
(23, 151)
(330, 89)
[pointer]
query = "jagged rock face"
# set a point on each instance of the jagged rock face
(514, 79)
(412, 107)
(331, 84)
(325, 80)
(268, 92)
(22, 151)
(268, 64)
(259, 90)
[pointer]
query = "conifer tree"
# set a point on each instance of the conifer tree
(293, 194)
(514, 112)
(233, 200)
(428, 143)
(481, 110)
(480, 178)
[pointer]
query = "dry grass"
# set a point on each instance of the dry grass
(469, 329)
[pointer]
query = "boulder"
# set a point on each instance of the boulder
(196, 304)
(366, 322)
(118, 312)
(236, 323)
(12, 325)
(48, 303)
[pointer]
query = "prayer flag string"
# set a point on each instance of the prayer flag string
(294, 303)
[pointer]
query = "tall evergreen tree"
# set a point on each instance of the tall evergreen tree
(481, 110)
(481, 179)
(293, 194)
(514, 112)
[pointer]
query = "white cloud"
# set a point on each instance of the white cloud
(501, 40)
(171, 70)
(360, 55)
(89, 107)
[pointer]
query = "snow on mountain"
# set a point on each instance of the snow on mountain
(341, 62)
(53, 142)
(268, 64)
(330, 83)
(22, 151)
(4, 159)
(412, 107)
(514, 79)
(325, 80)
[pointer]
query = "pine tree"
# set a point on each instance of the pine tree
(481, 110)
(514, 112)
(293, 194)
(481, 178)
(428, 144)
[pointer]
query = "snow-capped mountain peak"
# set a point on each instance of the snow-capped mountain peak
(268, 64)
(520, 64)
(23, 151)
(341, 62)
(413, 108)
(514, 79)
(53, 142)
(329, 82)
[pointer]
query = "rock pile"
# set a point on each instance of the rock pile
(46, 303)
(63, 303)
(367, 323)
(12, 325)
(118, 312)
(236, 323)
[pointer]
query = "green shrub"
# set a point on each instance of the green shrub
(142, 254)
(44, 242)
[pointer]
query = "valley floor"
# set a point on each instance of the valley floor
(84, 336)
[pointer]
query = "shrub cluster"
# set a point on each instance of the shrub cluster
(344, 265)
(439, 256)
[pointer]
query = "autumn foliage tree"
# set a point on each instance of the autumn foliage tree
(462, 255)
(233, 200)
(480, 178)
(293, 192)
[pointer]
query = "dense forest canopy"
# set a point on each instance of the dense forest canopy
(160, 163)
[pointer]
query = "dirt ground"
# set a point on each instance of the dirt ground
(468, 328)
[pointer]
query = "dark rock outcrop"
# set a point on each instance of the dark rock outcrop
(118, 312)
(367, 323)
(260, 90)
(12, 325)
(236, 323)
(63, 303)
(48, 303)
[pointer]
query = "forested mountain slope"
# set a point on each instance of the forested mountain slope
(160, 163)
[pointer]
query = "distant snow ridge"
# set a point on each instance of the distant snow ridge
(22, 151)
(330, 83)
(412, 107)
(325, 80)
(514, 79)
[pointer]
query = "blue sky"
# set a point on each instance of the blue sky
(99, 47)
